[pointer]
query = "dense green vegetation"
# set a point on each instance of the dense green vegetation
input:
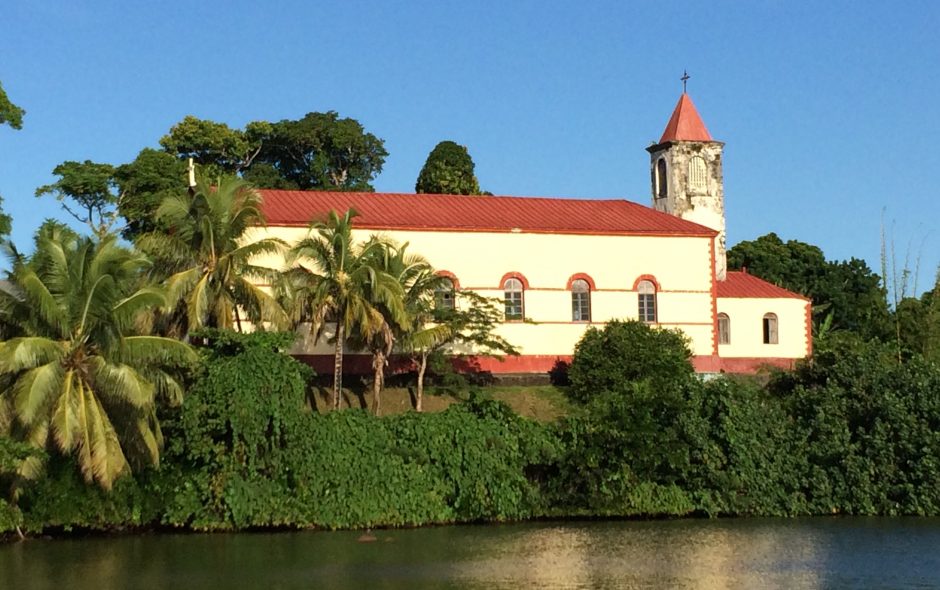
(129, 396)
(854, 432)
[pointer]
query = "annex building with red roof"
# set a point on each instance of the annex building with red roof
(562, 266)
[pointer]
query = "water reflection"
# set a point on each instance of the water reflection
(759, 553)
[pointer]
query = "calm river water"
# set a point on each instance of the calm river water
(738, 553)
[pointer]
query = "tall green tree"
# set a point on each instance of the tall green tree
(78, 375)
(87, 191)
(321, 151)
(449, 170)
(332, 278)
(846, 295)
(143, 185)
(10, 114)
(216, 147)
(210, 256)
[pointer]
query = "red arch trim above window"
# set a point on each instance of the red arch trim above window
(514, 275)
(650, 278)
(451, 276)
(581, 276)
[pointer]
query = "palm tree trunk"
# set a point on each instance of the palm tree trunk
(238, 320)
(338, 362)
(378, 376)
(422, 367)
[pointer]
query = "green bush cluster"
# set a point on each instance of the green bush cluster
(853, 432)
(246, 451)
(625, 352)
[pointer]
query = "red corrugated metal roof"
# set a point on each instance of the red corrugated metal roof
(739, 284)
(476, 213)
(685, 123)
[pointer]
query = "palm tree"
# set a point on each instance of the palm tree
(209, 250)
(417, 282)
(75, 373)
(334, 279)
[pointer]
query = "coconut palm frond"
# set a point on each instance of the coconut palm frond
(198, 303)
(128, 309)
(35, 391)
(150, 437)
(123, 383)
(66, 422)
(27, 352)
(428, 337)
(156, 351)
(43, 303)
(100, 455)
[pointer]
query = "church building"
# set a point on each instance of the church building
(562, 266)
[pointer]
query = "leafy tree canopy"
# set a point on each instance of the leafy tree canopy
(215, 146)
(847, 292)
(448, 171)
(10, 114)
(90, 188)
(144, 184)
(319, 151)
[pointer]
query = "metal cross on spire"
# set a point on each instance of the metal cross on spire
(684, 78)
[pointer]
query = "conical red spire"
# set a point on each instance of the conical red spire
(685, 123)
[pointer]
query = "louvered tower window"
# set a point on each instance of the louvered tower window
(697, 170)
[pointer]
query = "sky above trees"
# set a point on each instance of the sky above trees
(829, 111)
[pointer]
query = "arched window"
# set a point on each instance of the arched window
(512, 289)
(770, 328)
(724, 329)
(662, 185)
(647, 301)
(580, 301)
(444, 294)
(697, 174)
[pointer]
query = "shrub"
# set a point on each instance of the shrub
(233, 437)
(871, 426)
(625, 352)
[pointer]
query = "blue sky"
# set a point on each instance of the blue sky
(829, 110)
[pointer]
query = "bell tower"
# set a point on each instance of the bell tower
(685, 170)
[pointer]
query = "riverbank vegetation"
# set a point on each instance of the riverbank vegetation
(854, 432)
(131, 396)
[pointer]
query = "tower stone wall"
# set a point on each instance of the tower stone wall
(694, 188)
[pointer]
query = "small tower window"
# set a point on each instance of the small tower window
(580, 301)
(512, 291)
(647, 301)
(770, 328)
(662, 185)
(444, 294)
(724, 329)
(697, 169)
